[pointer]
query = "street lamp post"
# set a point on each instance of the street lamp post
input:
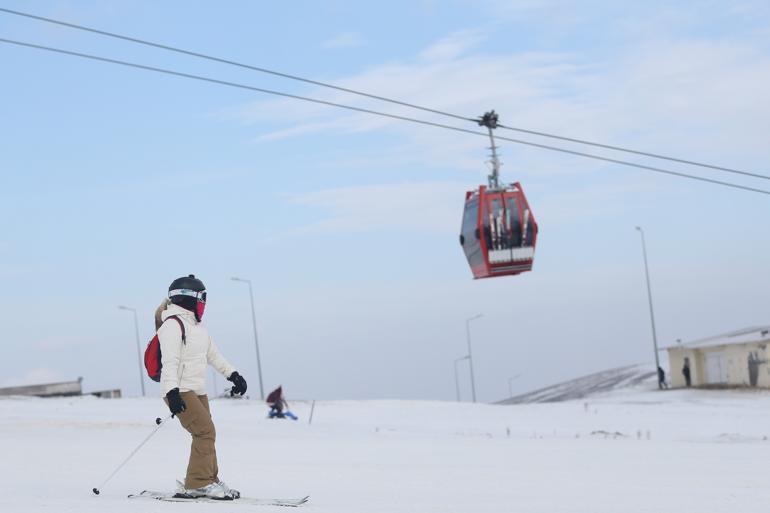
(138, 344)
(457, 380)
(256, 339)
(649, 297)
(470, 353)
(510, 389)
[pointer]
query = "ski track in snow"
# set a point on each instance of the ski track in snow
(633, 450)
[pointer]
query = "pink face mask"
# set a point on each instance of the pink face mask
(200, 307)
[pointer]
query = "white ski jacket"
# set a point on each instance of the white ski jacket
(185, 364)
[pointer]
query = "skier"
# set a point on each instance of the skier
(185, 355)
(276, 402)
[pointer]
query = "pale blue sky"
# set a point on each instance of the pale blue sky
(115, 181)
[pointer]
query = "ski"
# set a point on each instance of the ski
(173, 497)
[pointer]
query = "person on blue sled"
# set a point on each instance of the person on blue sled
(277, 402)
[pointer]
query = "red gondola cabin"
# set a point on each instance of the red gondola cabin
(498, 232)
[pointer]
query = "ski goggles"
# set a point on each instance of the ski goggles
(199, 295)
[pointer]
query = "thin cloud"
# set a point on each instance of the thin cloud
(36, 376)
(308, 128)
(436, 207)
(693, 92)
(452, 46)
(421, 207)
(344, 40)
(680, 96)
(441, 84)
(25, 269)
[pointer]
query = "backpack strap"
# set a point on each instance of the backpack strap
(181, 326)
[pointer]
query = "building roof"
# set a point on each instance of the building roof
(744, 336)
(63, 388)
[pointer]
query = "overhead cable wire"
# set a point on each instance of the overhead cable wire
(370, 111)
(231, 62)
(635, 152)
(372, 96)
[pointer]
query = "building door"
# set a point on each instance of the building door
(716, 368)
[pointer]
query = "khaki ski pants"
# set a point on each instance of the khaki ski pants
(202, 468)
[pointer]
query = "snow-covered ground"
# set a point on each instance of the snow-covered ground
(632, 450)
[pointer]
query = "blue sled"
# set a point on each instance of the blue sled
(274, 415)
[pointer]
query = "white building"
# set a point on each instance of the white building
(739, 358)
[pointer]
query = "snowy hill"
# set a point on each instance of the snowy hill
(591, 385)
(635, 449)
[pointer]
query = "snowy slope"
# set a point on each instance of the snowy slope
(637, 450)
(589, 386)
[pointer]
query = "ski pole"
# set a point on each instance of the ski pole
(159, 423)
(311, 412)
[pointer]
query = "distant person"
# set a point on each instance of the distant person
(186, 351)
(276, 402)
(488, 237)
(686, 372)
(662, 378)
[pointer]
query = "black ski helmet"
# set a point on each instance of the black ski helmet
(189, 293)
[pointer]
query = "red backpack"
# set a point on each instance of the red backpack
(152, 356)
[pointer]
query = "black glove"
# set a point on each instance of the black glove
(175, 402)
(239, 384)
